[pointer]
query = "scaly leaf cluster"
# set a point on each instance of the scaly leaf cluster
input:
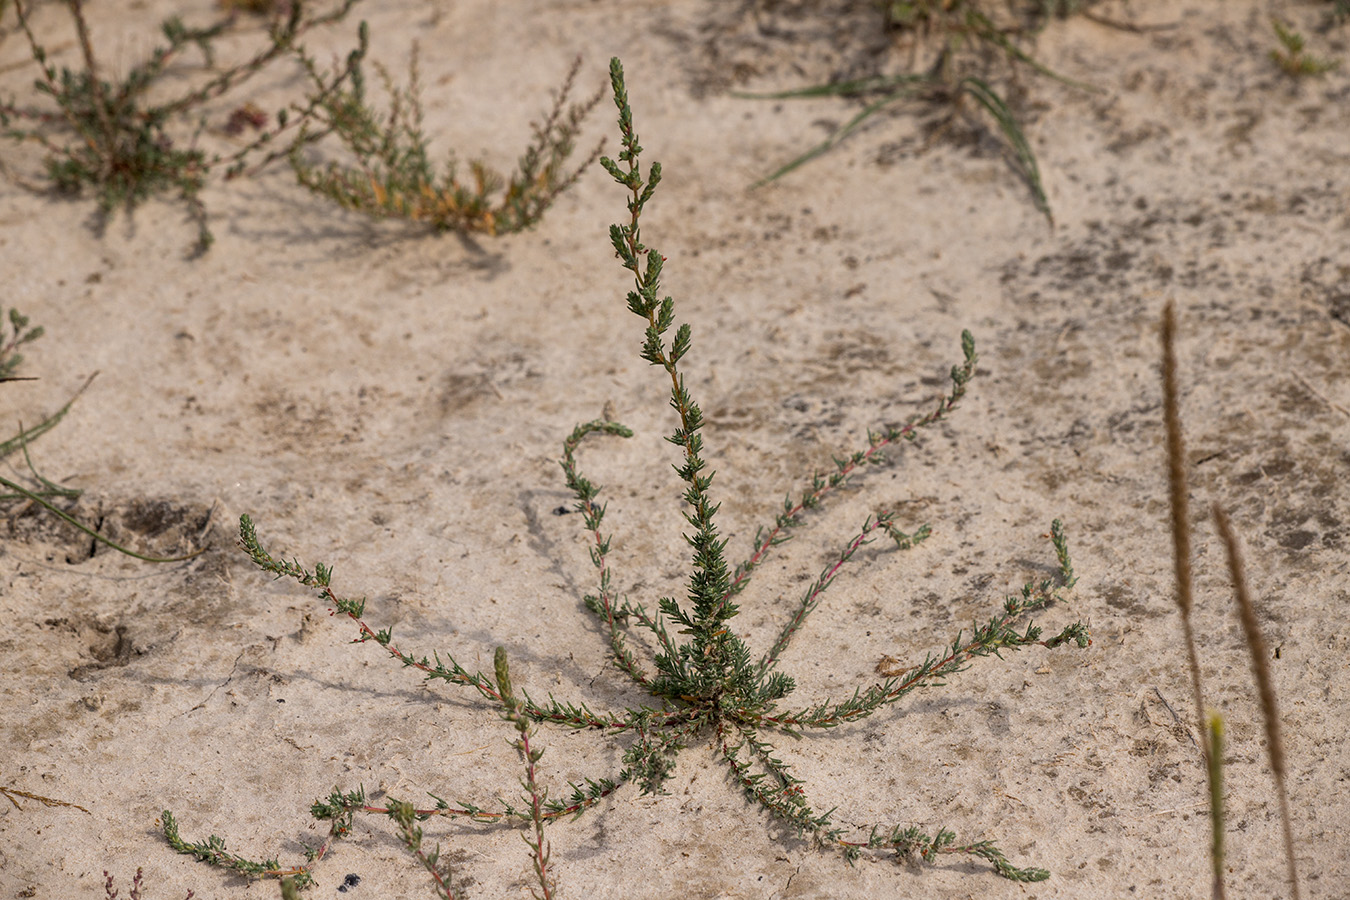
(213, 851)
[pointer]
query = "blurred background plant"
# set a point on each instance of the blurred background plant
(110, 138)
(20, 334)
(117, 139)
(963, 56)
(391, 175)
(1292, 55)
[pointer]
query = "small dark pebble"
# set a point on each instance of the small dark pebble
(350, 881)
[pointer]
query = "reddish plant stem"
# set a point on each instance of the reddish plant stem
(813, 496)
(810, 601)
(451, 812)
(622, 657)
(539, 848)
(921, 673)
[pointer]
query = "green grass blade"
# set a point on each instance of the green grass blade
(1007, 123)
(52, 489)
(839, 134)
(66, 517)
(839, 88)
(988, 31)
(49, 488)
(23, 437)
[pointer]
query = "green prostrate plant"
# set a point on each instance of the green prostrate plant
(114, 140)
(970, 41)
(393, 176)
(705, 686)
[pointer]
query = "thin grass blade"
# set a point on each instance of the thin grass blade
(842, 132)
(839, 88)
(66, 517)
(988, 31)
(1007, 123)
(23, 437)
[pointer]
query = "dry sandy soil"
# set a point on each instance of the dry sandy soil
(393, 403)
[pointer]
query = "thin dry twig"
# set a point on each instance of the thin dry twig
(10, 793)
